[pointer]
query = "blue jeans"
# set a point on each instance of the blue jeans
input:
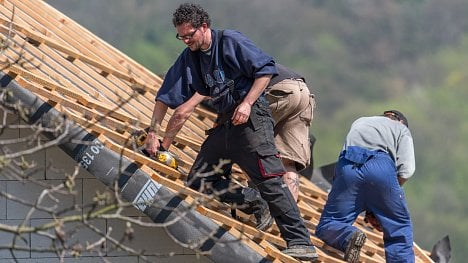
(367, 184)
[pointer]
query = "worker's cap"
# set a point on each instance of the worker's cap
(394, 114)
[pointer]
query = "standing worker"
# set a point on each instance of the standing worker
(227, 67)
(377, 159)
(292, 107)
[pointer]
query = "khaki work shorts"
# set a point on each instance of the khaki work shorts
(292, 107)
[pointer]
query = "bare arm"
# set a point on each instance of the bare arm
(159, 111)
(242, 112)
(180, 116)
(401, 180)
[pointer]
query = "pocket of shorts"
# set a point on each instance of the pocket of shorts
(278, 93)
(269, 161)
(278, 99)
(308, 114)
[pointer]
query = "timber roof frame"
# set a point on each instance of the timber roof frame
(106, 92)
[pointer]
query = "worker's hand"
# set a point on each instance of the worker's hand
(152, 144)
(241, 114)
(373, 221)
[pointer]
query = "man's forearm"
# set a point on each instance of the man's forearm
(179, 117)
(257, 89)
(401, 181)
(242, 113)
(176, 122)
(159, 112)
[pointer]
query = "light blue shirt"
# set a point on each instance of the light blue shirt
(385, 134)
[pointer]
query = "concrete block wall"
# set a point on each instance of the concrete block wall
(51, 167)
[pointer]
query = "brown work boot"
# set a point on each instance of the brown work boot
(302, 252)
(354, 247)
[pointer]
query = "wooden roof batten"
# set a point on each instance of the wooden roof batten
(88, 80)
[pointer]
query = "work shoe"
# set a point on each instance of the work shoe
(263, 218)
(302, 252)
(354, 247)
(256, 205)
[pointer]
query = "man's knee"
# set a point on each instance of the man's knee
(289, 165)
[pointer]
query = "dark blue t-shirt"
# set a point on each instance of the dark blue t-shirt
(177, 85)
(236, 62)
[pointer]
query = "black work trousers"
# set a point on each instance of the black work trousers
(251, 146)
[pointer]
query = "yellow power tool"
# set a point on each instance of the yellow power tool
(162, 155)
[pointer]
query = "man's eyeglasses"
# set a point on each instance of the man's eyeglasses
(186, 37)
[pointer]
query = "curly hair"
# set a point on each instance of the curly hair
(190, 13)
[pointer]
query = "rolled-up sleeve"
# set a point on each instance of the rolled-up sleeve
(180, 82)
